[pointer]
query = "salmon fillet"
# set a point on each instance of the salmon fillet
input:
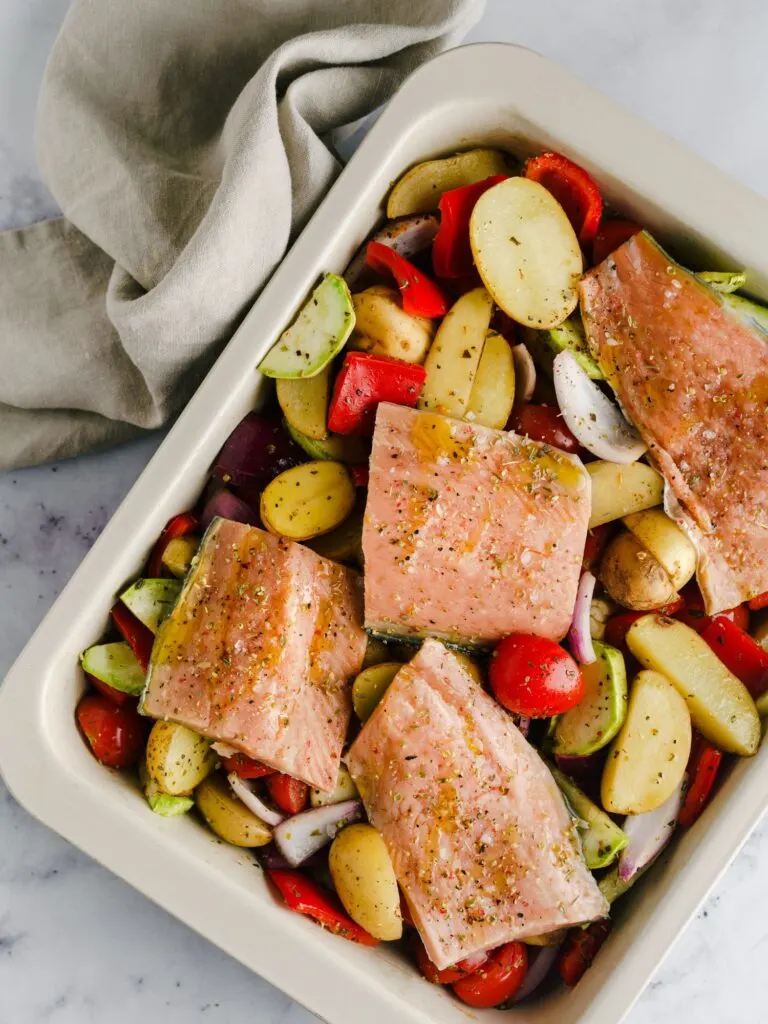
(693, 378)
(470, 533)
(259, 651)
(479, 835)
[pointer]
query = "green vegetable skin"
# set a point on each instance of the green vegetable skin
(116, 665)
(751, 312)
(317, 334)
(568, 335)
(162, 803)
(602, 840)
(151, 601)
(724, 281)
(598, 717)
(348, 449)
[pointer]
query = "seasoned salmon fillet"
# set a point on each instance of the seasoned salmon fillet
(479, 835)
(693, 378)
(259, 651)
(470, 533)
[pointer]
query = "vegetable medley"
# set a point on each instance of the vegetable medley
(469, 621)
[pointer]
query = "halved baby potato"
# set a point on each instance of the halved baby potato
(647, 760)
(454, 357)
(307, 500)
(370, 685)
(304, 401)
(178, 555)
(619, 490)
(493, 393)
(633, 577)
(419, 190)
(385, 329)
(345, 789)
(666, 542)
(177, 758)
(365, 881)
(526, 252)
(228, 817)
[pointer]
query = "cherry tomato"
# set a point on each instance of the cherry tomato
(543, 423)
(580, 948)
(116, 696)
(246, 767)
(533, 676)
(449, 974)
(610, 235)
(289, 794)
(116, 734)
(497, 980)
(693, 614)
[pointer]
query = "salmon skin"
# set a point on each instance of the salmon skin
(259, 651)
(470, 533)
(479, 835)
(693, 378)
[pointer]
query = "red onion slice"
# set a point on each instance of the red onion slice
(525, 374)
(225, 504)
(594, 420)
(256, 451)
(304, 834)
(540, 966)
(408, 236)
(648, 834)
(254, 803)
(580, 634)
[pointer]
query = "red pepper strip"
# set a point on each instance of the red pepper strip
(611, 235)
(580, 948)
(421, 296)
(306, 897)
(739, 653)
(617, 627)
(573, 188)
(180, 525)
(246, 767)
(761, 601)
(703, 766)
(135, 633)
(451, 251)
(116, 696)
(290, 795)
(597, 538)
(693, 614)
(359, 475)
(365, 380)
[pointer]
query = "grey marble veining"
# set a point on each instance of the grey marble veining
(77, 946)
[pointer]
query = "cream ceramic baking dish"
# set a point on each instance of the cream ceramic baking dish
(488, 94)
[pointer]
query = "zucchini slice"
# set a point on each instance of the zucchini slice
(595, 721)
(602, 839)
(151, 600)
(116, 665)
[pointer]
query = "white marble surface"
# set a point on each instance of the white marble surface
(77, 945)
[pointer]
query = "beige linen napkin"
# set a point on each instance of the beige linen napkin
(182, 141)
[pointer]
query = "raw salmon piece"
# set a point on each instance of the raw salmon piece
(693, 378)
(259, 651)
(478, 832)
(470, 533)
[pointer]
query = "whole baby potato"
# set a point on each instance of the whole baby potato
(365, 881)
(633, 577)
(227, 816)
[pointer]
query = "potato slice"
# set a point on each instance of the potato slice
(365, 881)
(419, 190)
(177, 758)
(647, 760)
(493, 393)
(304, 401)
(345, 789)
(178, 555)
(666, 542)
(228, 817)
(720, 705)
(633, 577)
(453, 360)
(526, 252)
(618, 490)
(307, 500)
(370, 686)
(385, 329)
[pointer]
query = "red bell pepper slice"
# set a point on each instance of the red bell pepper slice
(421, 296)
(610, 236)
(290, 795)
(451, 251)
(761, 601)
(580, 948)
(365, 380)
(359, 475)
(306, 897)
(573, 188)
(178, 526)
(739, 653)
(246, 767)
(703, 766)
(135, 633)
(693, 614)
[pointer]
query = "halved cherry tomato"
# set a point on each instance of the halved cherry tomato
(535, 677)
(420, 295)
(116, 696)
(580, 948)
(610, 236)
(449, 974)
(703, 765)
(543, 423)
(135, 633)
(597, 538)
(739, 653)
(573, 188)
(497, 980)
(116, 734)
(246, 767)
(692, 613)
(290, 795)
(178, 526)
(306, 897)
